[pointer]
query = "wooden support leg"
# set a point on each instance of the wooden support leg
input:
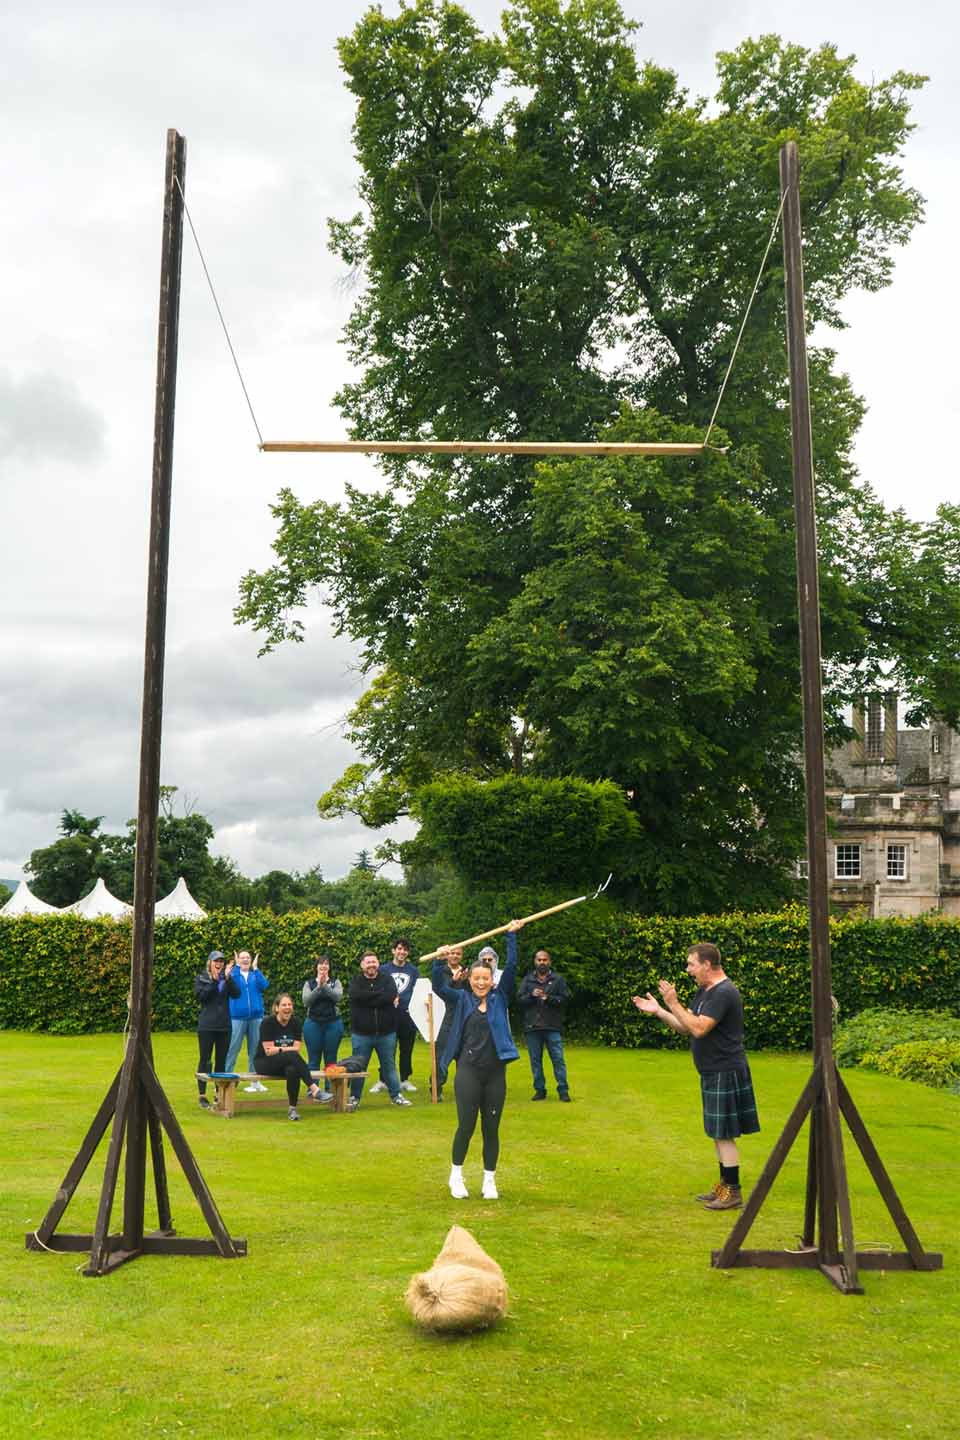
(164, 1217)
(725, 1257)
(190, 1167)
(880, 1177)
(82, 1159)
(835, 1140)
(99, 1249)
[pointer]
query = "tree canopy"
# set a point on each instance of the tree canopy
(558, 242)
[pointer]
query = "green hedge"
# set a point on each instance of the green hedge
(63, 974)
(861, 1040)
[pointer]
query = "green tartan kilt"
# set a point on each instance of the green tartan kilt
(729, 1106)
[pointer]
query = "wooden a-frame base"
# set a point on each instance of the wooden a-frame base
(824, 1098)
(138, 1108)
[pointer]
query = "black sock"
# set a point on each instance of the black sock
(730, 1175)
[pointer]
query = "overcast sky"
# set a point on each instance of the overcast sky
(89, 93)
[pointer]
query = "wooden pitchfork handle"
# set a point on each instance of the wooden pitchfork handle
(526, 919)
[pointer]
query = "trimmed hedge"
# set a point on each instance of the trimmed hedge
(62, 974)
(66, 975)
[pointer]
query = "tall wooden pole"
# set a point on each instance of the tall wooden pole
(824, 1096)
(139, 1109)
(151, 718)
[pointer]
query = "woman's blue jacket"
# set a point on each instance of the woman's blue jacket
(248, 1005)
(462, 1003)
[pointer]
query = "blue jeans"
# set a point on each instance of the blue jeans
(239, 1028)
(383, 1047)
(553, 1040)
(322, 1042)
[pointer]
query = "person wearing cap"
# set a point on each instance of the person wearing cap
(214, 987)
(543, 997)
(482, 1045)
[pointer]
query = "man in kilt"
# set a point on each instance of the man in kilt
(714, 1023)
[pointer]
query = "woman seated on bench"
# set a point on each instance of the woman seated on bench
(279, 1052)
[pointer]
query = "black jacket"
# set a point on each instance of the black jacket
(550, 1012)
(373, 1008)
(214, 1000)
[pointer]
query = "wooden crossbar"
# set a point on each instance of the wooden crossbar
(473, 447)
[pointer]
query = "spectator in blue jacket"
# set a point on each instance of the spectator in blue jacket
(246, 1011)
(482, 1045)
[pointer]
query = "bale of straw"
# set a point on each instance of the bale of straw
(463, 1290)
(460, 1248)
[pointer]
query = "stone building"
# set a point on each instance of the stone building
(893, 802)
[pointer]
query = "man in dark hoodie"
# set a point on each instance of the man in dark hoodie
(374, 1005)
(543, 997)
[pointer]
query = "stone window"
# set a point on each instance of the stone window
(802, 869)
(848, 862)
(896, 862)
(874, 734)
(935, 742)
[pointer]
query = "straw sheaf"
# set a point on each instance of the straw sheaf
(463, 1290)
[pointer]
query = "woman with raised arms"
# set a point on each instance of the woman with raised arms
(480, 1041)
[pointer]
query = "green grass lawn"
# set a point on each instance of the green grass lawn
(618, 1326)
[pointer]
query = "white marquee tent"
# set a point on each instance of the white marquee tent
(100, 902)
(179, 903)
(24, 902)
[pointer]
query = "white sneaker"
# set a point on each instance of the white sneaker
(261, 1087)
(400, 1100)
(375, 1089)
(293, 1113)
(252, 1089)
(408, 1085)
(458, 1188)
(489, 1189)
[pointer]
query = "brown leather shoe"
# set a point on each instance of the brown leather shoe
(711, 1194)
(728, 1197)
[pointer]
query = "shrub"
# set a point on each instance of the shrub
(931, 1062)
(874, 1032)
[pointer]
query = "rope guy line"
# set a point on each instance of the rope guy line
(226, 332)
(746, 317)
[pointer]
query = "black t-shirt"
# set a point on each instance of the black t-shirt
(476, 1047)
(723, 1048)
(286, 1036)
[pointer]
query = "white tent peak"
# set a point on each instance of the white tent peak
(24, 902)
(179, 903)
(100, 902)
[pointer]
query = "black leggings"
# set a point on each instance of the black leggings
(212, 1042)
(291, 1066)
(483, 1093)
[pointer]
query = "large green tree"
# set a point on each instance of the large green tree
(558, 242)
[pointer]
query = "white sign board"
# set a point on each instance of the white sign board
(419, 1012)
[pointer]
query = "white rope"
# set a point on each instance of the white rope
(746, 316)
(216, 302)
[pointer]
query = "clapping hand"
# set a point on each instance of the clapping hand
(646, 1003)
(667, 990)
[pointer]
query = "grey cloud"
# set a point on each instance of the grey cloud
(44, 416)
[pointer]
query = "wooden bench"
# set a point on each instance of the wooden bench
(226, 1090)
